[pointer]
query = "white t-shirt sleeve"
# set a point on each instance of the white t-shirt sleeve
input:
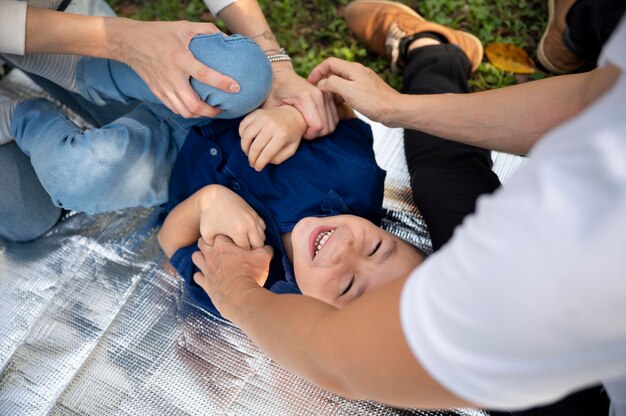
(615, 49)
(527, 302)
(12, 26)
(216, 6)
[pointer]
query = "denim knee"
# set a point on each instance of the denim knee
(239, 58)
(105, 176)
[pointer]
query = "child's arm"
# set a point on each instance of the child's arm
(271, 135)
(210, 211)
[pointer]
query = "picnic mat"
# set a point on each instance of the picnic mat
(93, 321)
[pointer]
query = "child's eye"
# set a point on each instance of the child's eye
(347, 289)
(375, 249)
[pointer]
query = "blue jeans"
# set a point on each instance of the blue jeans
(127, 162)
(26, 211)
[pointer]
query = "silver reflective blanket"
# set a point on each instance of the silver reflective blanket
(94, 322)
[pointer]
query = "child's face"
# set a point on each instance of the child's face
(337, 259)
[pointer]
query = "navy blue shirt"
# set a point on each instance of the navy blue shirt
(333, 175)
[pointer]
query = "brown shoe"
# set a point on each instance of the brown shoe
(552, 52)
(382, 24)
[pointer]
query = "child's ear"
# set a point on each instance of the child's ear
(345, 111)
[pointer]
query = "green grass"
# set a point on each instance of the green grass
(313, 30)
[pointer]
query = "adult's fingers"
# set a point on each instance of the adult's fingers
(198, 259)
(332, 66)
(194, 104)
(177, 104)
(336, 85)
(331, 111)
(199, 277)
(314, 114)
(209, 76)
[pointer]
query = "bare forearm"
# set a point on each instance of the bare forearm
(268, 319)
(182, 225)
(246, 18)
(89, 35)
(358, 351)
(509, 119)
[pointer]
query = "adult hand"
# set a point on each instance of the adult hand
(318, 111)
(159, 53)
(228, 272)
(359, 86)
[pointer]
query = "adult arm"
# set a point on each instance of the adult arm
(358, 351)
(157, 51)
(509, 119)
(501, 336)
(245, 17)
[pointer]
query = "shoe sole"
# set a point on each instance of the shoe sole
(541, 54)
(389, 3)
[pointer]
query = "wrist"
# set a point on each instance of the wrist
(243, 301)
(277, 55)
(119, 28)
(282, 67)
(394, 110)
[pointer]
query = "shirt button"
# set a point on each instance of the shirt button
(213, 151)
(235, 186)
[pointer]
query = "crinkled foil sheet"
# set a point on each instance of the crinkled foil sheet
(94, 322)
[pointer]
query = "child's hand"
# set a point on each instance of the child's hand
(271, 135)
(224, 212)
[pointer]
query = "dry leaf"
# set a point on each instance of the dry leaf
(510, 58)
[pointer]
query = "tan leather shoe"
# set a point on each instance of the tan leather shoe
(552, 52)
(382, 24)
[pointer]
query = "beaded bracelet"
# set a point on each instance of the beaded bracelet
(281, 55)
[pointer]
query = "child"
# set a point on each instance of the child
(298, 206)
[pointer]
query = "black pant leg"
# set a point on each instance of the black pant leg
(446, 177)
(590, 23)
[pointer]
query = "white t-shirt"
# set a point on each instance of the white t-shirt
(527, 302)
(13, 20)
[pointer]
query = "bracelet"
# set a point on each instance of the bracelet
(281, 55)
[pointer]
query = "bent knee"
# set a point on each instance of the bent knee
(239, 58)
(92, 195)
(102, 182)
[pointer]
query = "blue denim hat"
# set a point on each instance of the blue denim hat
(239, 58)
